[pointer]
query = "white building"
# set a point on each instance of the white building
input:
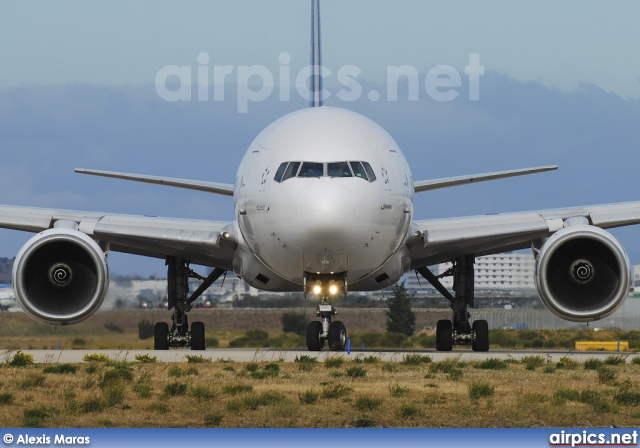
(511, 271)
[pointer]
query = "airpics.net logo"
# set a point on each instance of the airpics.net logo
(255, 83)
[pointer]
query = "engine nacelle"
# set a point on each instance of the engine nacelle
(582, 273)
(60, 277)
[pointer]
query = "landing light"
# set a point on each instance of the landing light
(317, 289)
(333, 289)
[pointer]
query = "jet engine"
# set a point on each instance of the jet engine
(60, 277)
(582, 273)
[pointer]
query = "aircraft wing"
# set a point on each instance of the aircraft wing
(209, 243)
(434, 184)
(439, 240)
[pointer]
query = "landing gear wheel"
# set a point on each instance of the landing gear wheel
(481, 330)
(314, 343)
(197, 336)
(161, 336)
(444, 336)
(337, 336)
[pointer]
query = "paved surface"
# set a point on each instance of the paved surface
(289, 355)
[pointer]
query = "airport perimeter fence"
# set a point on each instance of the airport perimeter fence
(626, 318)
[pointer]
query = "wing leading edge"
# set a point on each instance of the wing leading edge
(209, 187)
(439, 240)
(209, 243)
(426, 185)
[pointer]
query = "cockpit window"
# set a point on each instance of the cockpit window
(312, 169)
(338, 169)
(280, 172)
(369, 170)
(358, 170)
(291, 171)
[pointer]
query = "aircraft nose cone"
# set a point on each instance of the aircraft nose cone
(325, 211)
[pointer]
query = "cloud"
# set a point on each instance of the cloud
(46, 131)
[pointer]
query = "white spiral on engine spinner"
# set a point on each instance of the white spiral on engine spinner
(581, 271)
(60, 274)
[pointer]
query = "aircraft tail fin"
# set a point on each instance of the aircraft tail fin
(316, 59)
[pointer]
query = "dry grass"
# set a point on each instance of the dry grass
(119, 394)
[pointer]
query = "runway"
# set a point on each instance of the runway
(289, 355)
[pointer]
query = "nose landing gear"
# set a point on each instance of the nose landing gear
(334, 332)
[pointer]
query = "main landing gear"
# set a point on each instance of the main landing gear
(334, 332)
(178, 274)
(458, 330)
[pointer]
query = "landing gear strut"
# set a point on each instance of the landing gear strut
(178, 274)
(334, 332)
(458, 330)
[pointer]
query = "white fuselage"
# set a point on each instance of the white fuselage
(322, 223)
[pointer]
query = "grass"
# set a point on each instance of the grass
(442, 393)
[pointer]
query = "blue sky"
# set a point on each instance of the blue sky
(560, 44)
(561, 86)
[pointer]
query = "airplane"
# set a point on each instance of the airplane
(324, 204)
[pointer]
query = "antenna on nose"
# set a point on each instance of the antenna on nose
(316, 60)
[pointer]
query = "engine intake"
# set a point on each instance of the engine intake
(582, 273)
(60, 277)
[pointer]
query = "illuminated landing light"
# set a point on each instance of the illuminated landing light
(333, 289)
(317, 289)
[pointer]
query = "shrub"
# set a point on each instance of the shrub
(177, 372)
(114, 328)
(197, 359)
(567, 363)
(31, 381)
(203, 393)
(635, 360)
(212, 419)
(364, 422)
(175, 389)
(308, 397)
(593, 364)
(61, 369)
(627, 398)
(235, 389)
(146, 329)
(143, 386)
(331, 362)
(146, 359)
(409, 411)
(566, 395)
(96, 357)
(21, 359)
(212, 342)
(356, 372)
(615, 360)
(367, 403)
(335, 391)
(257, 335)
(606, 375)
(455, 374)
(446, 365)
(35, 417)
(416, 359)
(305, 362)
(371, 359)
(92, 405)
(491, 364)
(397, 391)
(6, 398)
(479, 390)
(294, 322)
(532, 362)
